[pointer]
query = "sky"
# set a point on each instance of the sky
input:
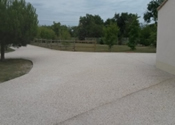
(68, 12)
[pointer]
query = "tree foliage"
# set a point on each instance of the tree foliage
(152, 14)
(61, 31)
(73, 31)
(64, 33)
(56, 27)
(148, 35)
(90, 26)
(18, 23)
(134, 33)
(123, 20)
(45, 33)
(145, 35)
(111, 34)
(153, 36)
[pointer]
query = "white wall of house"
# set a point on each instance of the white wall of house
(166, 37)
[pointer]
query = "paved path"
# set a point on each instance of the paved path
(76, 88)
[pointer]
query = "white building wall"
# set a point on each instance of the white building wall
(166, 37)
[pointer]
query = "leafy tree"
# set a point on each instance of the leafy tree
(134, 33)
(145, 35)
(109, 20)
(153, 36)
(64, 33)
(45, 33)
(61, 31)
(73, 31)
(56, 28)
(151, 14)
(90, 26)
(111, 34)
(18, 23)
(123, 21)
(148, 35)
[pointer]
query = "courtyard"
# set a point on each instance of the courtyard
(81, 88)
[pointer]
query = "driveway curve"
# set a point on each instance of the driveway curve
(78, 88)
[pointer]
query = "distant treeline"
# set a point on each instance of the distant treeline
(93, 26)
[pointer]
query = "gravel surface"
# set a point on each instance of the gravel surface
(78, 88)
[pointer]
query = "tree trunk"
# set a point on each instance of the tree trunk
(2, 51)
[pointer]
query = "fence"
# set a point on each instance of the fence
(71, 45)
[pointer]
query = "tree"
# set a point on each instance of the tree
(90, 26)
(153, 36)
(134, 33)
(56, 28)
(145, 34)
(18, 23)
(111, 34)
(123, 21)
(151, 14)
(73, 31)
(64, 33)
(45, 33)
(109, 20)
(61, 31)
(148, 35)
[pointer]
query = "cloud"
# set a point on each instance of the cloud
(68, 12)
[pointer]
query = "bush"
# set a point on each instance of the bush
(46, 33)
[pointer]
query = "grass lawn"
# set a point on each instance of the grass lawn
(83, 47)
(12, 68)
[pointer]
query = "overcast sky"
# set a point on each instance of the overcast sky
(68, 12)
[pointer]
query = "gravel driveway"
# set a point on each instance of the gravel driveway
(77, 88)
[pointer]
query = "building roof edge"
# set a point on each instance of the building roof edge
(162, 5)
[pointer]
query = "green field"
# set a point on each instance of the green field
(83, 47)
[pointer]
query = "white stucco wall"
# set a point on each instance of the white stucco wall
(166, 37)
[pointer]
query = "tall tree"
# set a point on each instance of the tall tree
(56, 28)
(151, 14)
(61, 31)
(64, 33)
(148, 35)
(123, 21)
(134, 33)
(145, 35)
(111, 34)
(73, 31)
(90, 26)
(18, 23)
